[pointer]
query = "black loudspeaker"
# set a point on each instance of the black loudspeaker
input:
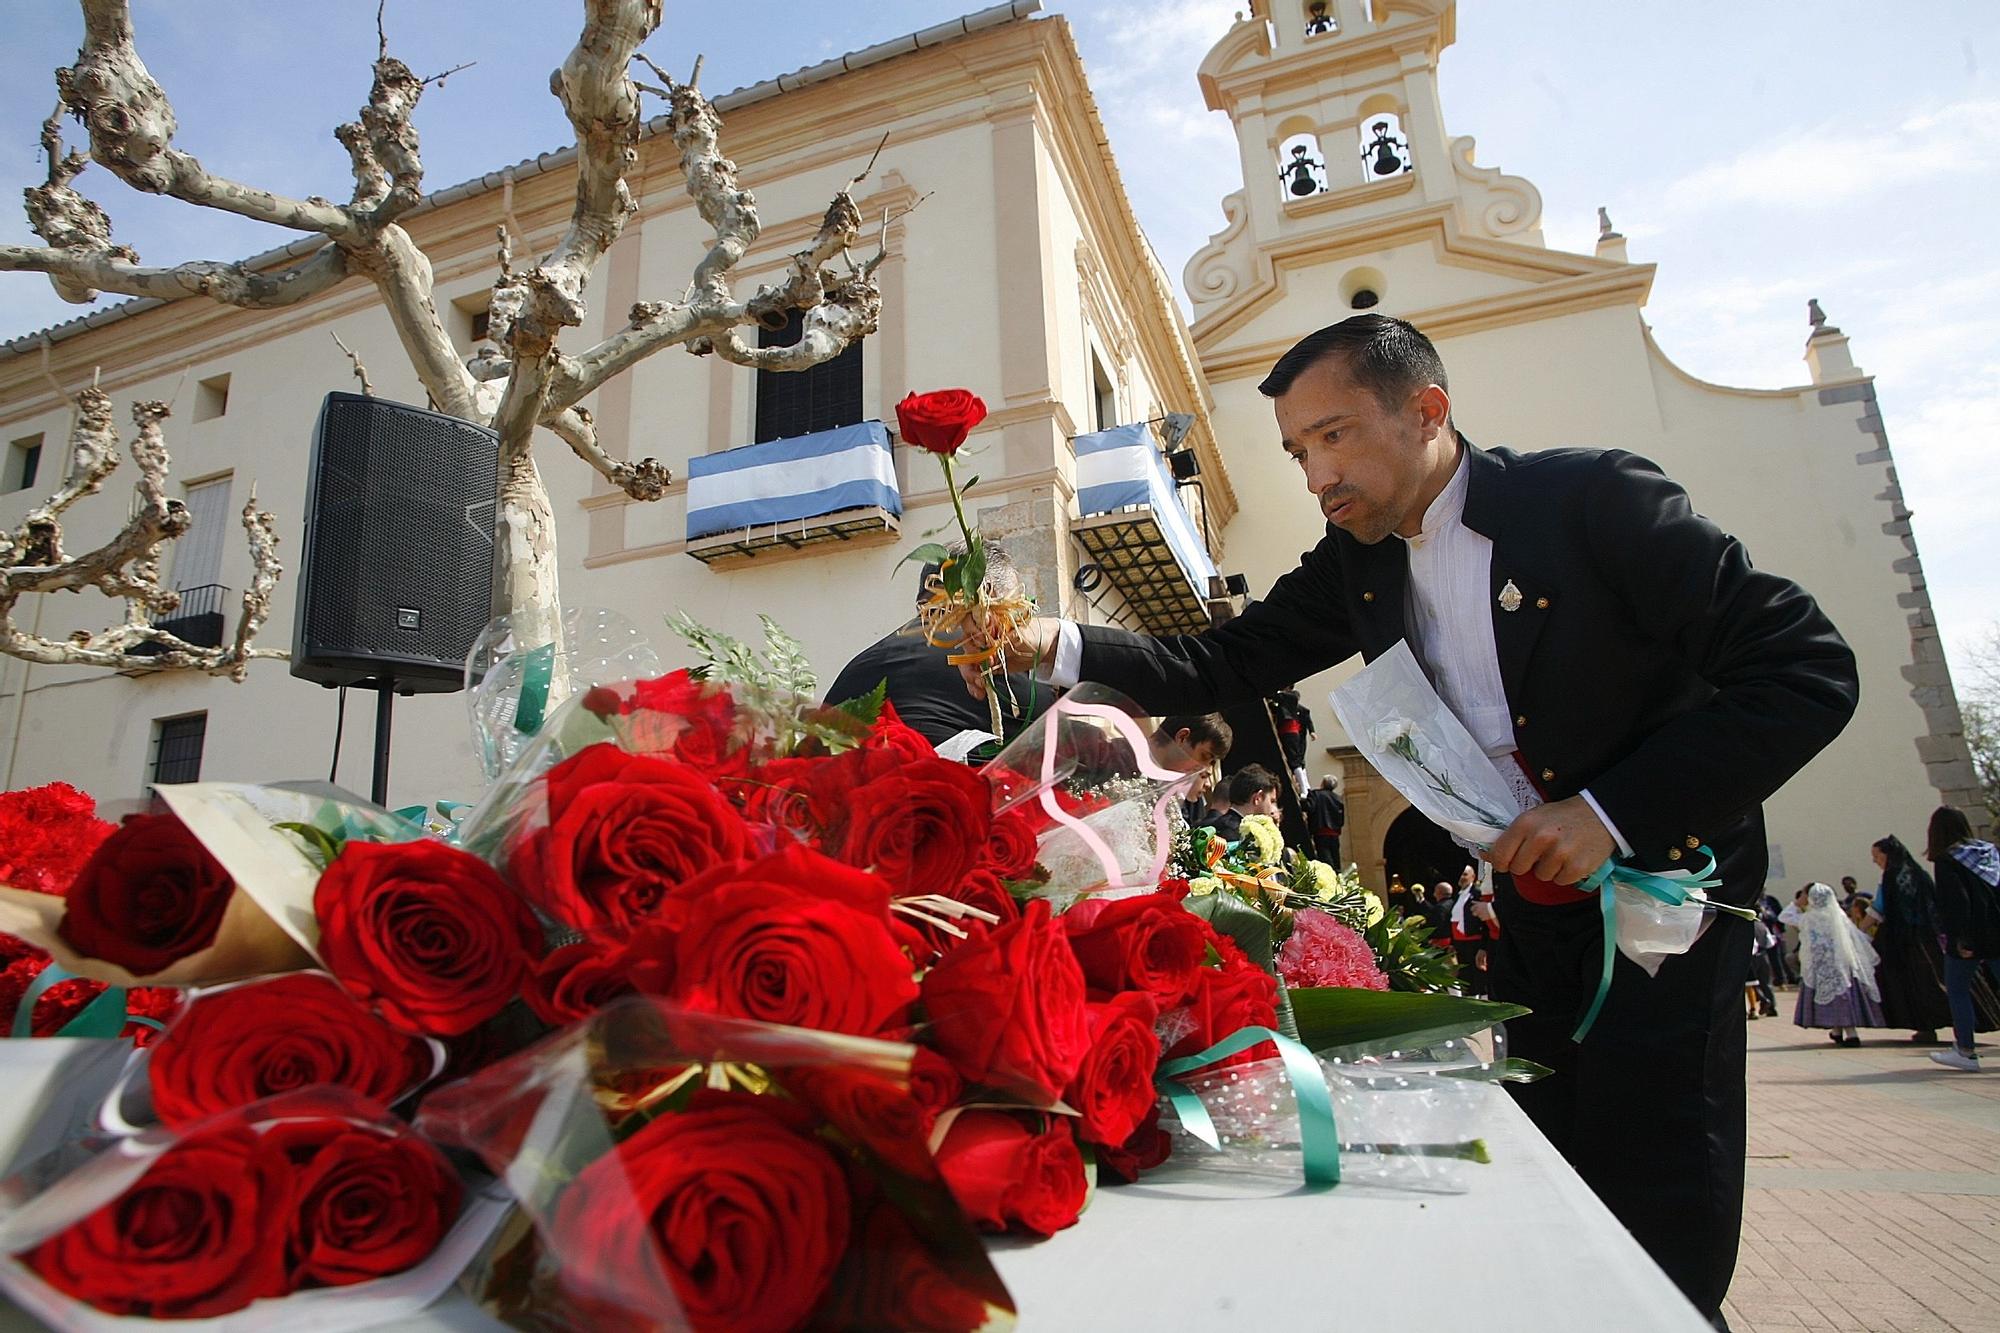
(396, 575)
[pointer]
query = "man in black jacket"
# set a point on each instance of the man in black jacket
(1644, 687)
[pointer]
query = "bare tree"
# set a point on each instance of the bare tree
(532, 383)
(1979, 705)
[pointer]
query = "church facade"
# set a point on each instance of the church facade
(1016, 269)
(1357, 197)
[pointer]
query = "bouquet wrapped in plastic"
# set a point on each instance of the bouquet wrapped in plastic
(685, 1170)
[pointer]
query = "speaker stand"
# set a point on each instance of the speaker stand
(378, 790)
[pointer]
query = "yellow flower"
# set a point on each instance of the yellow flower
(1374, 907)
(1261, 831)
(1203, 884)
(1326, 880)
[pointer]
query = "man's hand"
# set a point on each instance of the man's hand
(1033, 646)
(1558, 843)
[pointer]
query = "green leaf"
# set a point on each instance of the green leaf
(968, 483)
(974, 574)
(1511, 1070)
(319, 843)
(867, 708)
(1241, 922)
(928, 553)
(1375, 1020)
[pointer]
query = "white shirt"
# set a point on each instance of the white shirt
(1450, 629)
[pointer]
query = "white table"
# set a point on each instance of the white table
(1528, 1248)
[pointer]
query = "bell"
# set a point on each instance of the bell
(1302, 182)
(1386, 162)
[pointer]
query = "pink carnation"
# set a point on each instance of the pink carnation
(1322, 952)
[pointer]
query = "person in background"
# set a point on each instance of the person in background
(1837, 982)
(1857, 912)
(1967, 871)
(1773, 917)
(1437, 911)
(1788, 920)
(1294, 722)
(1763, 980)
(1326, 816)
(1911, 975)
(1474, 927)
(1849, 891)
(926, 690)
(1253, 790)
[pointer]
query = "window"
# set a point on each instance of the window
(801, 402)
(1103, 397)
(24, 460)
(198, 552)
(211, 398)
(482, 324)
(1319, 23)
(177, 748)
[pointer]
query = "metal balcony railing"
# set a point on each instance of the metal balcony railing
(199, 620)
(831, 486)
(1133, 526)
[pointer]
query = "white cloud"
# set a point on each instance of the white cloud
(1810, 168)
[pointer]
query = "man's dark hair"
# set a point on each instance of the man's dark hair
(1247, 781)
(1389, 357)
(1211, 729)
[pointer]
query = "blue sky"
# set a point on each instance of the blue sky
(1759, 153)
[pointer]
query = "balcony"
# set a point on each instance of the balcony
(834, 486)
(1134, 528)
(199, 620)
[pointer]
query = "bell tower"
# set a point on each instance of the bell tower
(1339, 128)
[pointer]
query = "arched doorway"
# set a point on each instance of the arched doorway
(1421, 852)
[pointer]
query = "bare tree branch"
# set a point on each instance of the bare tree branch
(360, 371)
(128, 565)
(132, 128)
(232, 284)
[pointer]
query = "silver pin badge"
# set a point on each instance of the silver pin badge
(1510, 597)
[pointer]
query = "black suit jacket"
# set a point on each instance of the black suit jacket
(1648, 661)
(927, 690)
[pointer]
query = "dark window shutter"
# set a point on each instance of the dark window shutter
(793, 403)
(179, 758)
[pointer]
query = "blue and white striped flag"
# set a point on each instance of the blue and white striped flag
(849, 467)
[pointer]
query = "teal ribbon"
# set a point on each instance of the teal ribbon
(538, 667)
(1319, 1138)
(1671, 887)
(414, 814)
(102, 1017)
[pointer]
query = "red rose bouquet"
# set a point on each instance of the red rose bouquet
(737, 993)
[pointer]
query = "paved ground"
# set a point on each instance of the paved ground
(1874, 1187)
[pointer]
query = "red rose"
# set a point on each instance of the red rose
(233, 1047)
(1147, 1148)
(793, 938)
(427, 935)
(1237, 994)
(1006, 1007)
(575, 982)
(746, 1217)
(935, 1083)
(892, 1280)
(922, 827)
(368, 1203)
(872, 1113)
(939, 420)
(980, 889)
(1011, 846)
(1148, 942)
(192, 1237)
(150, 896)
(890, 733)
(1113, 1089)
(1007, 1175)
(676, 715)
(622, 831)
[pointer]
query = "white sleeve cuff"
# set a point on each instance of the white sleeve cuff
(1624, 848)
(1066, 668)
